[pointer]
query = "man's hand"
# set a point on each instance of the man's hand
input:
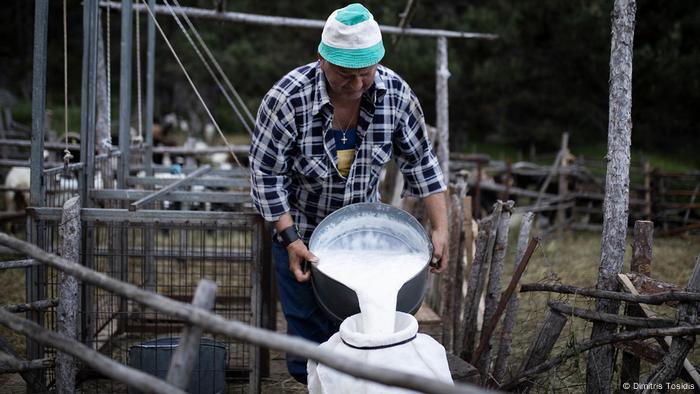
(440, 251)
(298, 253)
(437, 212)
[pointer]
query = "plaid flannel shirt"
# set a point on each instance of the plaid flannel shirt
(293, 161)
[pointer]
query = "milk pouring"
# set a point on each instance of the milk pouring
(374, 254)
(376, 277)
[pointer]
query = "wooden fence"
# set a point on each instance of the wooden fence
(196, 316)
(570, 191)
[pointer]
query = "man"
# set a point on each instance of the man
(322, 135)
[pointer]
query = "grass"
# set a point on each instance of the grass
(573, 259)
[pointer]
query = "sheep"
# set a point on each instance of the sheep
(17, 178)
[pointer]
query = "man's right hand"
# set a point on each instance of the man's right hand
(298, 253)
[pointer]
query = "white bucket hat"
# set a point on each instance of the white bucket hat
(351, 38)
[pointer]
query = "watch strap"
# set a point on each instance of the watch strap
(289, 235)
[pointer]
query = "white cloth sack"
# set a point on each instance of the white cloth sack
(411, 352)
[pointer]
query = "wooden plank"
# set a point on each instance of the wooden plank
(9, 364)
(429, 322)
(648, 352)
(32, 306)
(173, 196)
(173, 186)
(628, 286)
(589, 315)
(187, 351)
(24, 263)
(647, 285)
(239, 17)
(462, 371)
(209, 181)
(543, 344)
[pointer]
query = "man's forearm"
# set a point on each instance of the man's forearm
(437, 210)
(283, 222)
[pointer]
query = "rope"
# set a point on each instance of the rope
(139, 127)
(249, 119)
(189, 79)
(206, 65)
(67, 155)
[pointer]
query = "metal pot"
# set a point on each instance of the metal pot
(395, 229)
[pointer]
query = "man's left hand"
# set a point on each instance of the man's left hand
(440, 251)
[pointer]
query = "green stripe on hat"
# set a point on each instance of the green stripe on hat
(352, 58)
(352, 14)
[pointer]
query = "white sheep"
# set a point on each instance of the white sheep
(17, 178)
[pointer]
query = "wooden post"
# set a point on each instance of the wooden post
(641, 264)
(442, 74)
(493, 291)
(600, 360)
(504, 347)
(102, 128)
(691, 204)
(68, 306)
(448, 290)
(672, 363)
(563, 179)
(490, 325)
(647, 191)
(477, 280)
(467, 257)
(187, 351)
(642, 247)
(477, 192)
(542, 345)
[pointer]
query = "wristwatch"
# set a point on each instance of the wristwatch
(289, 235)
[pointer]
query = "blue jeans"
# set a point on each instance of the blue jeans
(304, 317)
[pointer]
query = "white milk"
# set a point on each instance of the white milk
(375, 275)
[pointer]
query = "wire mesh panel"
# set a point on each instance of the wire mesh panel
(62, 183)
(168, 256)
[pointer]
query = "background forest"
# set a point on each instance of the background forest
(547, 73)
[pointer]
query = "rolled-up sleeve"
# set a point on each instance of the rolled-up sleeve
(415, 157)
(269, 156)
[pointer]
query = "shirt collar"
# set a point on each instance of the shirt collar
(321, 97)
(376, 92)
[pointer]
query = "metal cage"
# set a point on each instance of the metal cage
(167, 252)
